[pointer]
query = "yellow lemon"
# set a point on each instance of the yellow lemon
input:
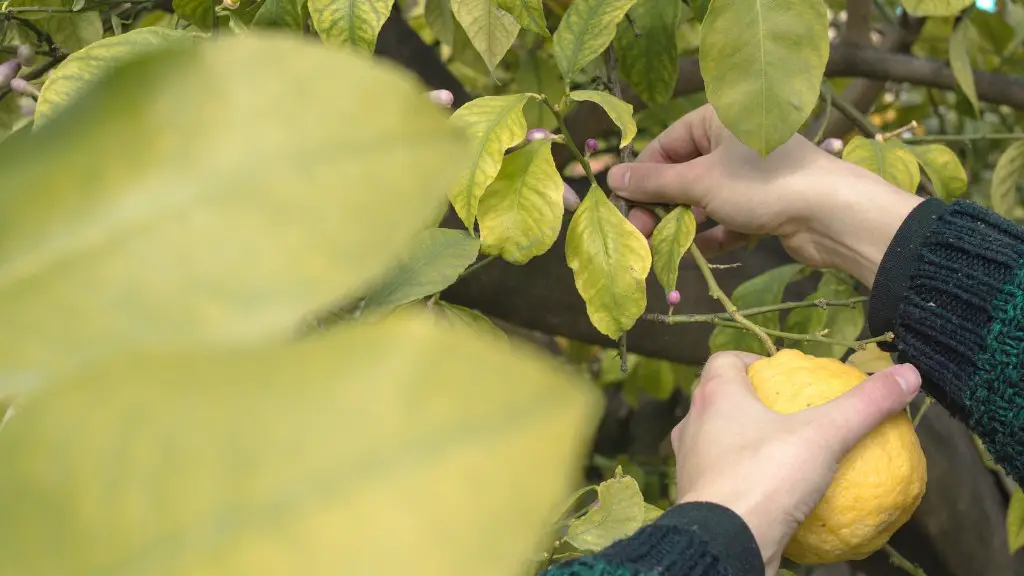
(879, 483)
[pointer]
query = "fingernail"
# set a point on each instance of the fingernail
(908, 377)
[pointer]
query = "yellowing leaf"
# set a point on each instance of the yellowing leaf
(538, 74)
(471, 319)
(85, 68)
(960, 61)
(935, 7)
(1008, 174)
(871, 359)
(890, 160)
(1015, 521)
(610, 261)
(762, 64)
(350, 22)
(943, 168)
(224, 230)
(521, 211)
(280, 14)
(648, 57)
(617, 514)
(529, 14)
(651, 513)
(490, 29)
(840, 322)
(493, 123)
(669, 242)
(73, 31)
(293, 455)
(587, 28)
(762, 290)
(620, 112)
(438, 14)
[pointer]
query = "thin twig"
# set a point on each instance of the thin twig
(849, 111)
(827, 98)
(569, 141)
(963, 137)
(696, 318)
(920, 412)
(851, 344)
(899, 561)
(894, 133)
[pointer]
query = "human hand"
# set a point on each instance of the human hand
(772, 469)
(828, 213)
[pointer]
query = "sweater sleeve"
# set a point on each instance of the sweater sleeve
(951, 289)
(692, 539)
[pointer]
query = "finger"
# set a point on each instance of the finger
(658, 183)
(851, 416)
(644, 220)
(686, 139)
(728, 365)
(718, 240)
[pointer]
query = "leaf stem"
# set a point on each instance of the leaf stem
(846, 109)
(920, 411)
(557, 113)
(826, 97)
(963, 137)
(477, 265)
(899, 561)
(706, 318)
(852, 344)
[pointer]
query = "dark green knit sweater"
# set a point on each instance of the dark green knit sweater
(951, 287)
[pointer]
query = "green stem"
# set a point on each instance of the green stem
(920, 412)
(477, 265)
(827, 98)
(848, 110)
(899, 561)
(695, 318)
(963, 137)
(852, 344)
(570, 143)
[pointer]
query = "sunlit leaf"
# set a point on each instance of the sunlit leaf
(943, 168)
(960, 62)
(521, 211)
(871, 359)
(490, 29)
(538, 74)
(610, 260)
(73, 31)
(350, 22)
(618, 513)
(493, 123)
(223, 230)
(762, 64)
(587, 28)
(1015, 521)
(764, 289)
(471, 319)
(994, 30)
(281, 14)
(529, 14)
(1008, 174)
(840, 322)
(648, 56)
(620, 112)
(890, 160)
(935, 7)
(671, 239)
(651, 513)
(438, 14)
(268, 460)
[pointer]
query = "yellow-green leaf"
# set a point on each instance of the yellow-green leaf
(943, 168)
(438, 14)
(1015, 521)
(871, 359)
(651, 513)
(587, 28)
(960, 61)
(762, 290)
(923, 8)
(199, 13)
(762, 64)
(538, 74)
(350, 22)
(529, 14)
(434, 262)
(224, 230)
(669, 242)
(83, 69)
(889, 159)
(521, 211)
(493, 124)
(617, 514)
(610, 260)
(280, 14)
(490, 29)
(471, 319)
(620, 112)
(1008, 174)
(840, 322)
(648, 56)
(73, 31)
(285, 459)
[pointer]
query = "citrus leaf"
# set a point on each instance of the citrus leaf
(538, 74)
(350, 22)
(83, 69)
(889, 159)
(198, 13)
(490, 29)
(73, 32)
(620, 112)
(279, 467)
(521, 211)
(438, 14)
(493, 123)
(943, 168)
(669, 242)
(251, 227)
(471, 319)
(700, 9)
(764, 289)
(648, 57)
(1015, 521)
(651, 513)
(617, 514)
(935, 7)
(434, 262)
(870, 360)
(280, 14)
(960, 62)
(841, 322)
(610, 260)
(529, 14)
(763, 63)
(651, 376)
(1008, 173)
(587, 28)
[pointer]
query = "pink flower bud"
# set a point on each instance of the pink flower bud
(570, 200)
(22, 86)
(8, 71)
(537, 134)
(441, 98)
(833, 146)
(591, 145)
(26, 54)
(673, 298)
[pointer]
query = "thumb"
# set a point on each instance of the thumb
(659, 183)
(850, 417)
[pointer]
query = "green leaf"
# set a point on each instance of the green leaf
(943, 168)
(651, 376)
(648, 57)
(610, 260)
(224, 230)
(73, 31)
(490, 29)
(618, 513)
(587, 28)
(199, 13)
(669, 242)
(651, 513)
(521, 211)
(493, 124)
(763, 63)
(1015, 522)
(538, 74)
(841, 323)
(279, 469)
(529, 14)
(762, 290)
(620, 112)
(935, 7)
(84, 69)
(434, 262)
(700, 9)
(471, 319)
(960, 62)
(610, 370)
(1008, 173)
(280, 14)
(350, 22)
(889, 159)
(438, 14)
